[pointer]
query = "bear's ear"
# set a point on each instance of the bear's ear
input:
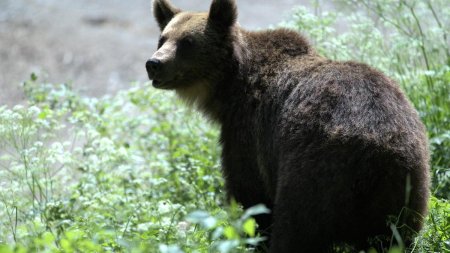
(164, 12)
(223, 13)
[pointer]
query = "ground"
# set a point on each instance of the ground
(97, 46)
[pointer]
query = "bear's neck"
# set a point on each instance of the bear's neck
(259, 59)
(272, 51)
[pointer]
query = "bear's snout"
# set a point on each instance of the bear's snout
(153, 66)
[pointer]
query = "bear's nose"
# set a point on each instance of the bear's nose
(153, 66)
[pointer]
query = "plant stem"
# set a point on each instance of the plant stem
(444, 31)
(422, 44)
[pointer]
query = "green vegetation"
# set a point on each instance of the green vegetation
(138, 172)
(133, 175)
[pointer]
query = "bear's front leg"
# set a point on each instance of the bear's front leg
(243, 183)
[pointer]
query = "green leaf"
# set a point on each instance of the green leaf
(48, 238)
(250, 227)
(33, 77)
(396, 250)
(5, 249)
(230, 232)
(66, 246)
(372, 250)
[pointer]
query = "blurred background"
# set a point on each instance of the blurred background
(99, 46)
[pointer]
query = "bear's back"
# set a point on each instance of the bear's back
(350, 100)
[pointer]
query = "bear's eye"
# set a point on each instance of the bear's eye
(186, 42)
(161, 41)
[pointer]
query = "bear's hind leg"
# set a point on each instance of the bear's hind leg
(299, 229)
(313, 206)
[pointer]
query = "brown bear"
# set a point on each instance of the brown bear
(334, 149)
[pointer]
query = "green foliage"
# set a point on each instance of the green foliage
(138, 172)
(132, 169)
(436, 235)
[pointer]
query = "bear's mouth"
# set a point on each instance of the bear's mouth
(159, 84)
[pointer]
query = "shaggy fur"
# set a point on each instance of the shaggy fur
(333, 148)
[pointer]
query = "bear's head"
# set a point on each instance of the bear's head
(195, 50)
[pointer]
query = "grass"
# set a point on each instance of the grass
(138, 172)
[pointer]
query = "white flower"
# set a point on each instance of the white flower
(34, 111)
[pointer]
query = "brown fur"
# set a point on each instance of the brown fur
(333, 148)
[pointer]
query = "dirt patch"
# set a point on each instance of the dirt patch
(97, 46)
